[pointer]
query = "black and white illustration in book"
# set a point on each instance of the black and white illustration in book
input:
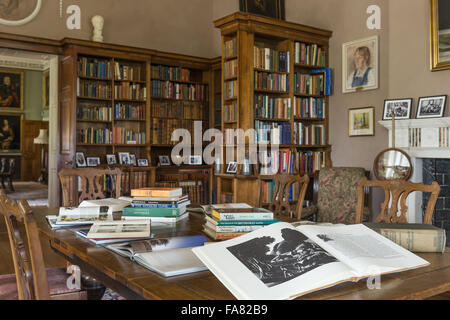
(276, 260)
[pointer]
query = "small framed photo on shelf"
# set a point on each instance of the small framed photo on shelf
(142, 163)
(431, 107)
(232, 167)
(93, 161)
(111, 159)
(361, 122)
(164, 160)
(195, 160)
(80, 160)
(133, 159)
(124, 158)
(401, 108)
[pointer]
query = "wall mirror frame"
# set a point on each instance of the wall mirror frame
(439, 35)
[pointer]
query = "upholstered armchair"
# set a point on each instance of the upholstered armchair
(335, 196)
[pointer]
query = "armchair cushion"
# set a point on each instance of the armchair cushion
(338, 194)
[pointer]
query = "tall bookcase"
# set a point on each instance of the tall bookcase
(274, 76)
(120, 99)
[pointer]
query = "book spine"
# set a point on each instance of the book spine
(416, 241)
(228, 235)
(150, 205)
(150, 212)
(237, 229)
(250, 222)
(243, 216)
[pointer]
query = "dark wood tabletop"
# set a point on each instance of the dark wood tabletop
(136, 282)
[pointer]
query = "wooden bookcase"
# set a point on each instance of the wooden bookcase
(260, 64)
(121, 99)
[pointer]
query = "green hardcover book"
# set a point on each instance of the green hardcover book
(150, 212)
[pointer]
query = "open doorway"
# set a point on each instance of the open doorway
(29, 126)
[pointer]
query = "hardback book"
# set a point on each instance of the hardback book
(281, 261)
(157, 192)
(242, 214)
(158, 199)
(53, 222)
(207, 209)
(412, 236)
(240, 222)
(81, 216)
(153, 212)
(84, 232)
(166, 256)
(138, 229)
(160, 204)
(221, 235)
(159, 220)
(114, 205)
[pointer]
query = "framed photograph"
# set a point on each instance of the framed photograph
(401, 107)
(360, 65)
(10, 132)
(361, 122)
(133, 159)
(93, 161)
(269, 8)
(11, 90)
(124, 158)
(164, 160)
(195, 160)
(45, 90)
(440, 35)
(111, 159)
(232, 167)
(142, 162)
(431, 107)
(80, 160)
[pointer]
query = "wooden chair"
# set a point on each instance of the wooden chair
(32, 281)
(396, 192)
(91, 184)
(335, 195)
(280, 205)
(7, 172)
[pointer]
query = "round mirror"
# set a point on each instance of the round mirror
(392, 164)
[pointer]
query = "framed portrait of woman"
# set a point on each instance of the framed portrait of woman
(440, 35)
(10, 132)
(360, 65)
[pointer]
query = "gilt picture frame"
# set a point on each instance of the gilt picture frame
(11, 132)
(361, 122)
(269, 8)
(439, 35)
(11, 90)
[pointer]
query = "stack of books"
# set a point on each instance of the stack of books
(166, 205)
(228, 221)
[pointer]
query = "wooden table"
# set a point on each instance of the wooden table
(135, 282)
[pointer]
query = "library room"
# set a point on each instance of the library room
(175, 150)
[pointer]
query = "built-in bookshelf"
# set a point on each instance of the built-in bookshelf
(275, 81)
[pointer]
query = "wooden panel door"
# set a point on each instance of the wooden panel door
(31, 153)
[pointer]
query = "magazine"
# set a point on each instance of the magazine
(281, 261)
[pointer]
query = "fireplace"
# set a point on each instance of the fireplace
(427, 142)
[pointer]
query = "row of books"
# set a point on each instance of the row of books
(309, 83)
(128, 136)
(128, 72)
(270, 107)
(230, 112)
(97, 136)
(271, 81)
(276, 162)
(272, 132)
(130, 91)
(310, 161)
(270, 59)
(309, 108)
(313, 134)
(228, 221)
(196, 190)
(133, 180)
(93, 89)
(170, 73)
(179, 91)
(230, 89)
(309, 54)
(129, 111)
(94, 112)
(91, 67)
(178, 110)
(230, 48)
(230, 69)
(161, 129)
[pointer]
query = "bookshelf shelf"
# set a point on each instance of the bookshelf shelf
(94, 121)
(95, 78)
(271, 91)
(307, 66)
(94, 98)
(270, 71)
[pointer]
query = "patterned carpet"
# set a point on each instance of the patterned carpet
(35, 193)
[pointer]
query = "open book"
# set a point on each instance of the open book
(284, 262)
(139, 229)
(70, 217)
(113, 205)
(166, 256)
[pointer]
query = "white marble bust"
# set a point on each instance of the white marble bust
(97, 22)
